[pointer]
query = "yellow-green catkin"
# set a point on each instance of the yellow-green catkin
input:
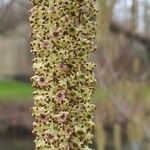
(63, 37)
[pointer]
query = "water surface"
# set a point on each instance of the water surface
(16, 143)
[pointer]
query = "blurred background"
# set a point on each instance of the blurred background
(122, 95)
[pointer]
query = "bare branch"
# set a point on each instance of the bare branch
(4, 14)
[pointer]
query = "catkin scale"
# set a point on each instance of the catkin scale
(63, 37)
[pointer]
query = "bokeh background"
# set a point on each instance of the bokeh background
(122, 95)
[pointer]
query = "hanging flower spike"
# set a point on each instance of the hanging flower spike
(63, 37)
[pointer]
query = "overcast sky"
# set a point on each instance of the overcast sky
(4, 1)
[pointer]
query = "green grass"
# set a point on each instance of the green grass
(15, 91)
(99, 94)
(18, 91)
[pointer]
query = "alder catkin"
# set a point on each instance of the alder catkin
(63, 37)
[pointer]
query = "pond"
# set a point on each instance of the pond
(10, 142)
(26, 143)
(16, 143)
